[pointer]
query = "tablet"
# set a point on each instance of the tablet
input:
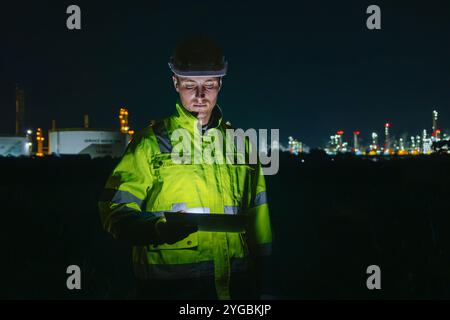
(211, 222)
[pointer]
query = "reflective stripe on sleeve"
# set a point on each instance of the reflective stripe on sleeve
(144, 214)
(119, 197)
(260, 198)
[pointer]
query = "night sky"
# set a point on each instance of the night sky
(308, 68)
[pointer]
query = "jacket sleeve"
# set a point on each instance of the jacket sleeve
(124, 194)
(260, 232)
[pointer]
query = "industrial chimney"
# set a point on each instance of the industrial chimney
(86, 121)
(356, 141)
(20, 110)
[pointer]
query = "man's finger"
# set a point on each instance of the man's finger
(190, 228)
(187, 230)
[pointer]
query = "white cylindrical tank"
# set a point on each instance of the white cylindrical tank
(96, 143)
(14, 146)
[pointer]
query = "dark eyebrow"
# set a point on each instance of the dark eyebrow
(190, 80)
(184, 79)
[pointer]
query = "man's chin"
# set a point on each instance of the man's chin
(203, 111)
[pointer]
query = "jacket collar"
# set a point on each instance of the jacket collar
(188, 121)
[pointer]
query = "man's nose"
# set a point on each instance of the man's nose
(200, 93)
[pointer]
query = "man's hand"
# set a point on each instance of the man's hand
(172, 232)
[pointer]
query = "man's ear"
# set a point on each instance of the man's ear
(175, 82)
(220, 83)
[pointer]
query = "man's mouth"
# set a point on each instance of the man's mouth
(200, 105)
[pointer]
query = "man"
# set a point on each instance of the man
(173, 260)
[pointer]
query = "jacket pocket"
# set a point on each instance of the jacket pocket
(190, 242)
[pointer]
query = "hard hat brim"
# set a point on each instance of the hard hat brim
(200, 73)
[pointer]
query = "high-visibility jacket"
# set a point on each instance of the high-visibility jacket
(148, 182)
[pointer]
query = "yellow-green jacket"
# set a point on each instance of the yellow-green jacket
(147, 182)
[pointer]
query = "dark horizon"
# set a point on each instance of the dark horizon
(307, 69)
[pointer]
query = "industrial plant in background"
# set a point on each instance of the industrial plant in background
(86, 140)
(112, 143)
(424, 143)
(65, 141)
(19, 144)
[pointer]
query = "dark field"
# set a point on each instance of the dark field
(330, 219)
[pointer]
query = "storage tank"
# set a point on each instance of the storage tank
(14, 146)
(95, 142)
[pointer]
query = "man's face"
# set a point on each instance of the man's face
(198, 94)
